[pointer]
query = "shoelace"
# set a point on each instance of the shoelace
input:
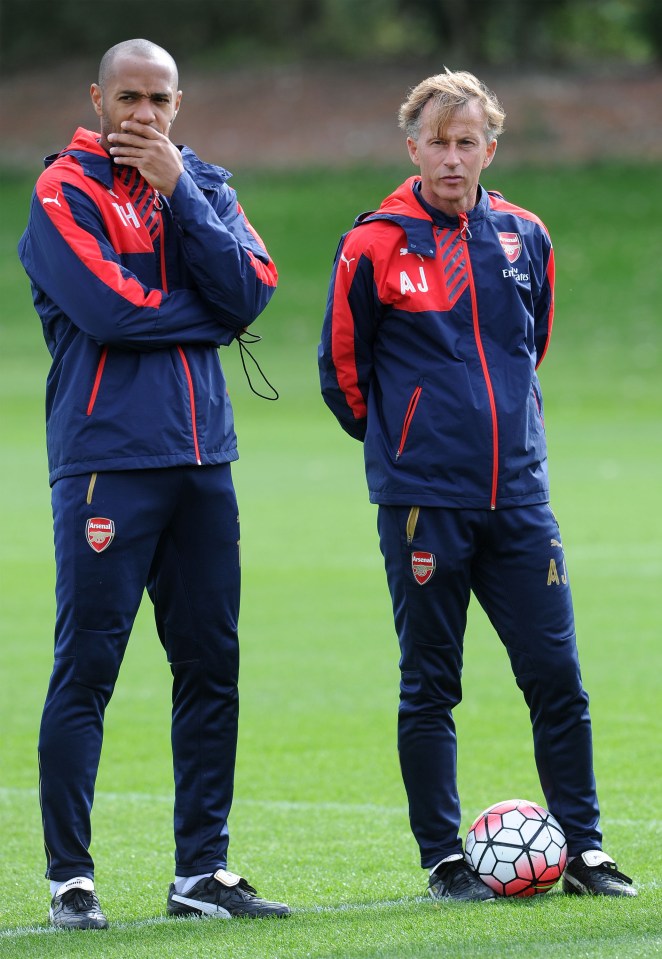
(614, 871)
(221, 892)
(80, 900)
(459, 877)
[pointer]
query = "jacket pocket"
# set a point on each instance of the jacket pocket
(97, 381)
(90, 489)
(409, 416)
(537, 399)
(412, 521)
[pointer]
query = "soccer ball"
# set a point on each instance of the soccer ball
(517, 848)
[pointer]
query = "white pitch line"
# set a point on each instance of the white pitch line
(23, 931)
(339, 909)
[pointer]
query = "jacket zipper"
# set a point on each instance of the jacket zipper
(465, 234)
(158, 205)
(191, 394)
(409, 416)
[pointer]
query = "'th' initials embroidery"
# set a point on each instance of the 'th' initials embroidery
(128, 215)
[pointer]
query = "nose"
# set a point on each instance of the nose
(452, 158)
(144, 111)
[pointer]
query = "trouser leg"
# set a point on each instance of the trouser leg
(430, 619)
(98, 593)
(195, 585)
(521, 581)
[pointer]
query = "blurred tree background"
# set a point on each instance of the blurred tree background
(500, 33)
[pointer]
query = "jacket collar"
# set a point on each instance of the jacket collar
(96, 163)
(404, 208)
(206, 175)
(87, 150)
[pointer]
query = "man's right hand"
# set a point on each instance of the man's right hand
(153, 154)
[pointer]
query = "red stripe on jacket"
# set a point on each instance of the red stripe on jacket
(342, 338)
(87, 248)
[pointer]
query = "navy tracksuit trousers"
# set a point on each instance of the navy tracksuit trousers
(175, 532)
(513, 561)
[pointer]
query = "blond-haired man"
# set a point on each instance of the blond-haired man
(439, 312)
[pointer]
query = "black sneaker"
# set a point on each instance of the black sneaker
(75, 906)
(596, 874)
(223, 895)
(455, 879)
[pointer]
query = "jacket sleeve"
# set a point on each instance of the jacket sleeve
(346, 349)
(229, 262)
(543, 297)
(70, 260)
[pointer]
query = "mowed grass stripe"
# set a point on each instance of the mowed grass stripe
(285, 805)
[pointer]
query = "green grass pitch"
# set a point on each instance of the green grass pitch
(320, 817)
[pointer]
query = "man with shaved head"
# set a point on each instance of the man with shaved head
(142, 264)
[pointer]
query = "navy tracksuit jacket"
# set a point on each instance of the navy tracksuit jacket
(433, 332)
(135, 293)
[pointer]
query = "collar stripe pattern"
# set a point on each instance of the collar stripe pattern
(143, 199)
(453, 262)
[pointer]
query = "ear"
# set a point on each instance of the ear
(97, 98)
(412, 147)
(175, 109)
(489, 154)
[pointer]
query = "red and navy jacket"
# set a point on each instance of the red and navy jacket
(136, 292)
(433, 332)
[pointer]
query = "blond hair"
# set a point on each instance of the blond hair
(450, 91)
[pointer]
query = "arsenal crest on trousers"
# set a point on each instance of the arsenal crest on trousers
(99, 533)
(423, 566)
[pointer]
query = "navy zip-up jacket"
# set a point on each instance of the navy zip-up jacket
(135, 293)
(433, 332)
